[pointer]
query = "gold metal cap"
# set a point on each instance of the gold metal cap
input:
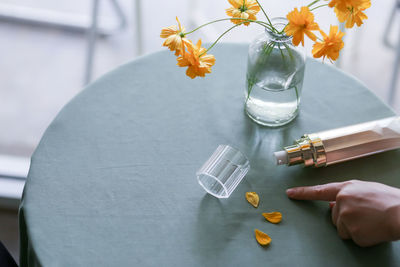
(309, 150)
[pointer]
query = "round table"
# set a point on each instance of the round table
(113, 183)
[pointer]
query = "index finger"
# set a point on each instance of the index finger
(325, 192)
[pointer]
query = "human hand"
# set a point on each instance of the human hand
(367, 212)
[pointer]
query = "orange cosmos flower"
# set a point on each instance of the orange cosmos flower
(197, 61)
(243, 9)
(300, 23)
(351, 11)
(331, 45)
(333, 3)
(351, 15)
(359, 4)
(175, 38)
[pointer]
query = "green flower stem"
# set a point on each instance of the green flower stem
(313, 3)
(225, 32)
(267, 50)
(216, 41)
(219, 20)
(282, 55)
(289, 51)
(318, 7)
(283, 30)
(270, 47)
(265, 15)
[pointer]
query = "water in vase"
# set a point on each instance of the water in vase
(274, 84)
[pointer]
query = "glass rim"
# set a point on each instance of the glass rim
(225, 195)
(279, 38)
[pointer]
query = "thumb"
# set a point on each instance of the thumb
(325, 192)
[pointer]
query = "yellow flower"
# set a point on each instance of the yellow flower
(197, 61)
(243, 9)
(351, 11)
(175, 38)
(331, 45)
(300, 23)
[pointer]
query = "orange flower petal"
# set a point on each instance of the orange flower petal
(301, 23)
(253, 198)
(262, 238)
(331, 45)
(350, 11)
(273, 217)
(244, 9)
(196, 59)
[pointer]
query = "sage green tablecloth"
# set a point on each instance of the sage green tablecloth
(112, 182)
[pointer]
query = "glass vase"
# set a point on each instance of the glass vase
(274, 80)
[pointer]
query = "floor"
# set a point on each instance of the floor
(42, 68)
(9, 231)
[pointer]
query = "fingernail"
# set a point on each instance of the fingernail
(290, 192)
